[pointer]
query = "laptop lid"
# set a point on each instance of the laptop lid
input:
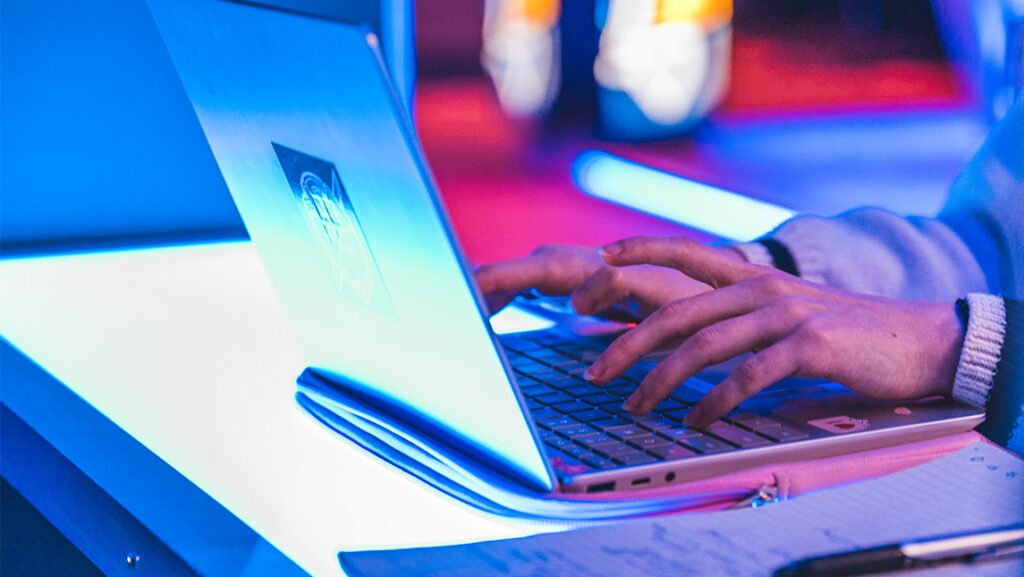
(334, 192)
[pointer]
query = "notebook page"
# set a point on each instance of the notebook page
(977, 487)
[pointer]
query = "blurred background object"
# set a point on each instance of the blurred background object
(830, 104)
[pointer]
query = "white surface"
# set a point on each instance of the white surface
(977, 488)
(188, 351)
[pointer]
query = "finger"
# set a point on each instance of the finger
(694, 259)
(604, 289)
(767, 367)
(709, 346)
(515, 275)
(685, 317)
(497, 301)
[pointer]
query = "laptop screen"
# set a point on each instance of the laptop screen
(306, 131)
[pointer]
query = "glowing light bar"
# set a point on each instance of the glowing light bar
(719, 212)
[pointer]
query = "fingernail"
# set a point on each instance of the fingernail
(593, 372)
(629, 405)
(610, 250)
(634, 401)
(694, 418)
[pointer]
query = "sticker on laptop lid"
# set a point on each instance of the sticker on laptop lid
(840, 424)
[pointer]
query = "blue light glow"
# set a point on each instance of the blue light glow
(693, 204)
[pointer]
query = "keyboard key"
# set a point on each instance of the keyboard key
(557, 422)
(671, 452)
(553, 398)
(679, 433)
(783, 434)
(686, 395)
(639, 419)
(520, 345)
(626, 432)
(594, 439)
(677, 415)
(669, 404)
(706, 445)
(573, 432)
(602, 398)
(578, 372)
(600, 462)
(573, 406)
(559, 442)
(615, 408)
(577, 451)
(564, 382)
(648, 442)
(590, 415)
(757, 423)
(636, 374)
(534, 390)
(546, 356)
(739, 415)
(533, 405)
(638, 459)
(620, 388)
(610, 423)
(545, 413)
(615, 450)
(529, 367)
(547, 375)
(584, 389)
(659, 424)
(740, 437)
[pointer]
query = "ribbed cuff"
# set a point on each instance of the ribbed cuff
(983, 345)
(755, 253)
(805, 247)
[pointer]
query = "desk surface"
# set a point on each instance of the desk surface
(187, 350)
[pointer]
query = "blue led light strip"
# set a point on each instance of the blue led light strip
(719, 212)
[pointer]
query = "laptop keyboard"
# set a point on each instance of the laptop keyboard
(584, 427)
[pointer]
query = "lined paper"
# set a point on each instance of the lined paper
(977, 487)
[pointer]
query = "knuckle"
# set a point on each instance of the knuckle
(705, 338)
(814, 332)
(670, 310)
(748, 375)
(791, 308)
(611, 277)
(623, 346)
(772, 284)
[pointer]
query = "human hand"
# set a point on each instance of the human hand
(880, 347)
(594, 287)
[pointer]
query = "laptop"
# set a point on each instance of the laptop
(327, 174)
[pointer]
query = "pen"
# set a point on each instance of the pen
(983, 545)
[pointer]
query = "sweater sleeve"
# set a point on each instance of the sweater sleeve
(975, 245)
(1004, 401)
(990, 373)
(876, 252)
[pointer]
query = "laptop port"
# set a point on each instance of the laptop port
(601, 487)
(638, 482)
(669, 477)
